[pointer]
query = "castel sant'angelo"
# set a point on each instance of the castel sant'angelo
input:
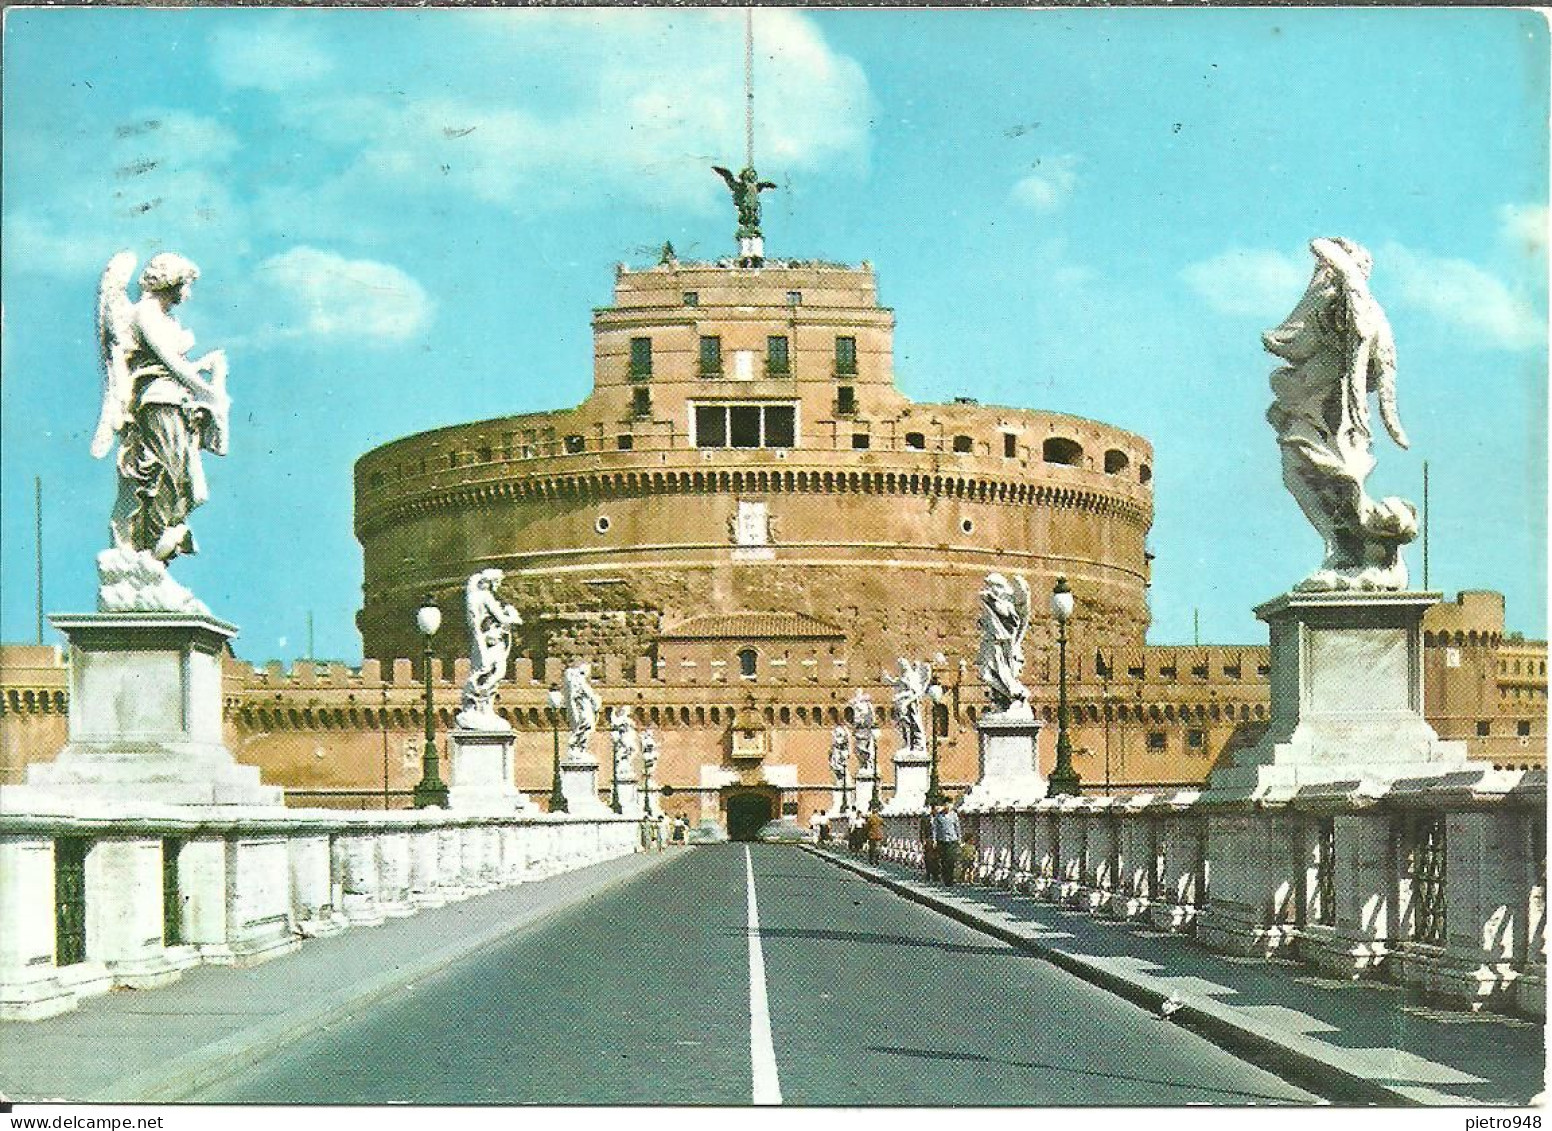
(745, 523)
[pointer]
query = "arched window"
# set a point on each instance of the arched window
(1115, 461)
(1059, 449)
(747, 660)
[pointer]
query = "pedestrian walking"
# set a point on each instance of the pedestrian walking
(929, 843)
(945, 830)
(875, 827)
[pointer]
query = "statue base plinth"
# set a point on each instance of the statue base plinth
(629, 794)
(867, 789)
(1010, 773)
(482, 774)
(751, 251)
(1346, 697)
(145, 714)
(579, 785)
(912, 776)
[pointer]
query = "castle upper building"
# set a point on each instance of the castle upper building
(745, 451)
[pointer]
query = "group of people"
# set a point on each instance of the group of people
(942, 842)
(659, 830)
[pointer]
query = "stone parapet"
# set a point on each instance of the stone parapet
(160, 888)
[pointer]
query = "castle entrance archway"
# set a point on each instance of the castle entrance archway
(745, 810)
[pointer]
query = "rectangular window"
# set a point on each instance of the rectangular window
(641, 403)
(1156, 740)
(641, 358)
(780, 426)
(744, 426)
(846, 356)
(859, 441)
(1196, 739)
(710, 426)
(776, 362)
(794, 298)
(692, 298)
(1522, 728)
(845, 400)
(1009, 445)
(625, 443)
(575, 444)
(1484, 729)
(711, 356)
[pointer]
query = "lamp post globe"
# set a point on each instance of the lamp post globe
(429, 792)
(557, 794)
(1064, 779)
(935, 795)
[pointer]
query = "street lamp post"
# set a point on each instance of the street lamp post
(557, 794)
(1102, 668)
(429, 791)
(935, 794)
(614, 786)
(1064, 779)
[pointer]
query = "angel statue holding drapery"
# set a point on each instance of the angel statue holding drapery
(490, 648)
(864, 724)
(582, 707)
(910, 688)
(1339, 352)
(164, 409)
(840, 754)
(622, 741)
(1004, 624)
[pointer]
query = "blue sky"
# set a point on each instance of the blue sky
(404, 218)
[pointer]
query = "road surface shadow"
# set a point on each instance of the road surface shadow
(940, 1054)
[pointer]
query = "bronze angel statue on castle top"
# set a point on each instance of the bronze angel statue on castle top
(163, 408)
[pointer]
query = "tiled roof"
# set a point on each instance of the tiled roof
(752, 626)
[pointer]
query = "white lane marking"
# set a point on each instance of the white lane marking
(762, 1050)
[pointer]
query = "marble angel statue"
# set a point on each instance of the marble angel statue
(1004, 624)
(491, 622)
(1339, 352)
(622, 742)
(582, 707)
(840, 754)
(158, 403)
(163, 409)
(910, 689)
(864, 723)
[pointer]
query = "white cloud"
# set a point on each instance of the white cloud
(1463, 295)
(313, 293)
(1248, 281)
(1525, 227)
(268, 58)
(635, 103)
(1048, 188)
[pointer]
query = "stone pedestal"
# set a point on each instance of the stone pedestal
(1010, 774)
(1347, 697)
(913, 770)
(1252, 909)
(145, 714)
(630, 797)
(579, 785)
(482, 774)
(751, 250)
(867, 789)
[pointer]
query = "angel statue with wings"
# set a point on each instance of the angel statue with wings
(910, 687)
(1004, 623)
(1338, 351)
(159, 405)
(491, 621)
(746, 189)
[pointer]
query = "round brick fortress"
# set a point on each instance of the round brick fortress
(745, 450)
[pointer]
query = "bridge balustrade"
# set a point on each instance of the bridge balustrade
(1439, 885)
(247, 888)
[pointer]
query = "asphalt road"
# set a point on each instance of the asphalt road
(645, 994)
